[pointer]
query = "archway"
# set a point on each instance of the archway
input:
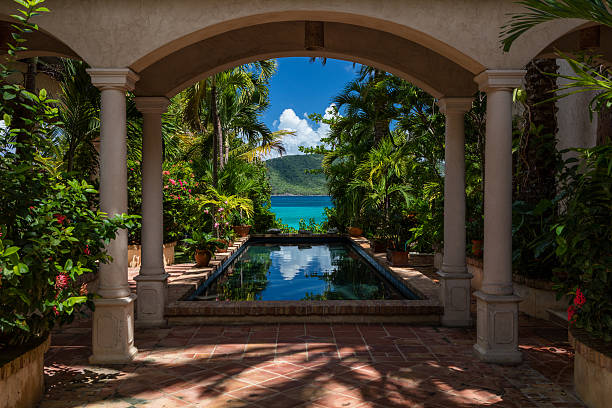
(129, 51)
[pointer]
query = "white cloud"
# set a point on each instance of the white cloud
(305, 135)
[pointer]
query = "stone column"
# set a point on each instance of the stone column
(497, 326)
(152, 281)
(455, 280)
(113, 320)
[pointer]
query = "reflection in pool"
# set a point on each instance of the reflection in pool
(299, 272)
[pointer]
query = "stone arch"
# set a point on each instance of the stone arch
(40, 43)
(425, 68)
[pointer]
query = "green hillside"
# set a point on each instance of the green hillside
(288, 176)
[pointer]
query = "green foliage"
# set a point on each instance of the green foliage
(297, 175)
(49, 234)
(583, 235)
(541, 11)
(203, 241)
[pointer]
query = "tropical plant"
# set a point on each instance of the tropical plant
(49, 233)
(203, 241)
(229, 103)
(219, 208)
(583, 240)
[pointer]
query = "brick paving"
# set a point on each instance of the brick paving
(311, 365)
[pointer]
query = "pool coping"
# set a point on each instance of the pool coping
(427, 309)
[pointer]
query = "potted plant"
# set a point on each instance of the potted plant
(203, 244)
(474, 229)
(241, 223)
(401, 236)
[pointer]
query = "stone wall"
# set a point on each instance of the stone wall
(538, 296)
(592, 369)
(22, 381)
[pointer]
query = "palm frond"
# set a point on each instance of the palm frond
(541, 11)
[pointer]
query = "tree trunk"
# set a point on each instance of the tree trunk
(217, 136)
(536, 159)
(381, 126)
(604, 126)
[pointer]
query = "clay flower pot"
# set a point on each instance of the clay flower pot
(398, 258)
(477, 247)
(202, 257)
(355, 231)
(242, 230)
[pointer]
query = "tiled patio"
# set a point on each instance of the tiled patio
(311, 366)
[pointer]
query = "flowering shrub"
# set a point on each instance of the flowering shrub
(43, 250)
(180, 189)
(49, 233)
(584, 242)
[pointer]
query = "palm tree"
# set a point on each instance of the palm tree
(229, 101)
(78, 114)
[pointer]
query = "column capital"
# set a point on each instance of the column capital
(499, 79)
(113, 78)
(152, 104)
(452, 105)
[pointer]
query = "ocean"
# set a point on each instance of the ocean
(291, 208)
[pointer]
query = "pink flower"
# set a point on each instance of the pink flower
(579, 299)
(86, 251)
(206, 211)
(189, 190)
(166, 173)
(181, 182)
(172, 181)
(227, 223)
(61, 281)
(60, 218)
(166, 186)
(55, 310)
(220, 209)
(571, 313)
(226, 202)
(216, 225)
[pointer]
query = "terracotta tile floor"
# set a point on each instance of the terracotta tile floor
(312, 365)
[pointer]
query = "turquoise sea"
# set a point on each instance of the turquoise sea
(291, 208)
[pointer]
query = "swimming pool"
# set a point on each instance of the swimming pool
(300, 269)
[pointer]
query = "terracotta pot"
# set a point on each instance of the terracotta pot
(477, 247)
(355, 231)
(202, 257)
(242, 230)
(378, 245)
(398, 258)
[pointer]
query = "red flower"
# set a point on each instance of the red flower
(166, 173)
(86, 250)
(60, 218)
(61, 281)
(579, 299)
(55, 311)
(571, 313)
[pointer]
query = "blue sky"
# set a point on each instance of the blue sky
(300, 88)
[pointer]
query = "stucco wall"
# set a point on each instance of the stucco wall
(576, 129)
(22, 381)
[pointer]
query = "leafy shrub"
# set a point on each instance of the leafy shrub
(49, 233)
(584, 241)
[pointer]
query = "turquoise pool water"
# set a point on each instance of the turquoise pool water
(314, 271)
(291, 208)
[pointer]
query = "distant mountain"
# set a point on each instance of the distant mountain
(288, 175)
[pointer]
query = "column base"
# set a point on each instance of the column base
(455, 295)
(152, 293)
(497, 328)
(113, 331)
